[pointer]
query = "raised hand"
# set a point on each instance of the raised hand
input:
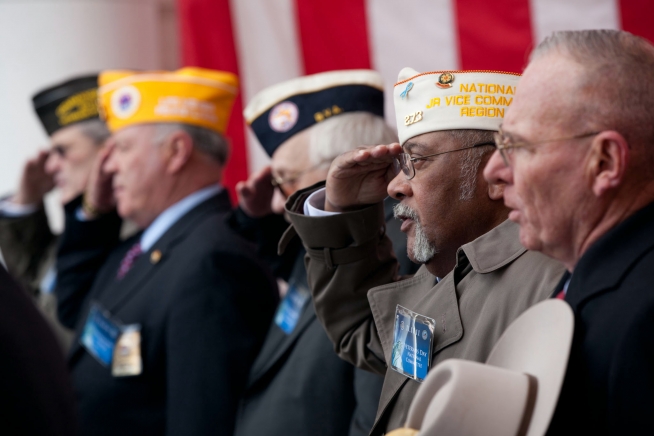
(35, 182)
(360, 177)
(98, 196)
(256, 193)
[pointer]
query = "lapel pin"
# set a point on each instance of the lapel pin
(155, 257)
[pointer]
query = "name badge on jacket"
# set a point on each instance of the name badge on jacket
(112, 344)
(290, 309)
(412, 343)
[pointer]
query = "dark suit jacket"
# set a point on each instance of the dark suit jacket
(609, 386)
(298, 385)
(204, 309)
(35, 392)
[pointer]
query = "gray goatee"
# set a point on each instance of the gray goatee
(423, 249)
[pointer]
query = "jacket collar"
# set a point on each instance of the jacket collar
(495, 249)
(609, 259)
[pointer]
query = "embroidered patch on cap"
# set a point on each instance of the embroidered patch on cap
(125, 101)
(283, 116)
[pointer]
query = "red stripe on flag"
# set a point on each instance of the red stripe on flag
(207, 41)
(333, 35)
(637, 17)
(494, 35)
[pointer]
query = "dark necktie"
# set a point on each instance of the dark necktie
(128, 260)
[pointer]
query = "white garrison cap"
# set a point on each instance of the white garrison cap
(450, 100)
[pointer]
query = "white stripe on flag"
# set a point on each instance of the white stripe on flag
(551, 15)
(269, 52)
(420, 34)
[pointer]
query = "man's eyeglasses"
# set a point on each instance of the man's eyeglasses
(405, 162)
(506, 148)
(279, 182)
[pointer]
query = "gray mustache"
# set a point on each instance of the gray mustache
(402, 210)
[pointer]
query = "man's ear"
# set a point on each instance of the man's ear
(608, 161)
(496, 191)
(178, 150)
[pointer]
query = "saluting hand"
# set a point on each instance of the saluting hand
(98, 197)
(35, 182)
(256, 193)
(360, 177)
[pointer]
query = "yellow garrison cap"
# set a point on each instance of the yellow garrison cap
(450, 100)
(193, 96)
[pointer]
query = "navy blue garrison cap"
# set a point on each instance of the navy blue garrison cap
(280, 111)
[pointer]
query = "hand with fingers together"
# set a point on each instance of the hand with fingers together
(98, 196)
(35, 181)
(360, 177)
(256, 193)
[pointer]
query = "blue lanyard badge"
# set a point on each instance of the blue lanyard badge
(100, 335)
(290, 309)
(412, 343)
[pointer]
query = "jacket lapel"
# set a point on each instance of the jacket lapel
(596, 272)
(415, 293)
(119, 292)
(113, 294)
(277, 343)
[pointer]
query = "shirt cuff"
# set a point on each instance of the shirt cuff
(314, 205)
(14, 210)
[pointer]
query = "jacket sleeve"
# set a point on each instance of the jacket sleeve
(215, 328)
(347, 254)
(27, 244)
(83, 249)
(265, 233)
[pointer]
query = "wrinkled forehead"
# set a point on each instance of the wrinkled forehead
(135, 133)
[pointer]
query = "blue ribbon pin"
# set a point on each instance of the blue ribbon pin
(408, 88)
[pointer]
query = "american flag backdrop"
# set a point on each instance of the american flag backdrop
(268, 41)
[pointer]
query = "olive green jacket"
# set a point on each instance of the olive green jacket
(28, 247)
(352, 274)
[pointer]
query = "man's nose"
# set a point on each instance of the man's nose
(497, 172)
(399, 187)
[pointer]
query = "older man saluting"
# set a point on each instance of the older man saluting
(476, 277)
(168, 322)
(578, 159)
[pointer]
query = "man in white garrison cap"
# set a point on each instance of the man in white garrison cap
(475, 277)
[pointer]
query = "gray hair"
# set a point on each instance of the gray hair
(345, 132)
(95, 129)
(617, 88)
(472, 158)
(206, 141)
